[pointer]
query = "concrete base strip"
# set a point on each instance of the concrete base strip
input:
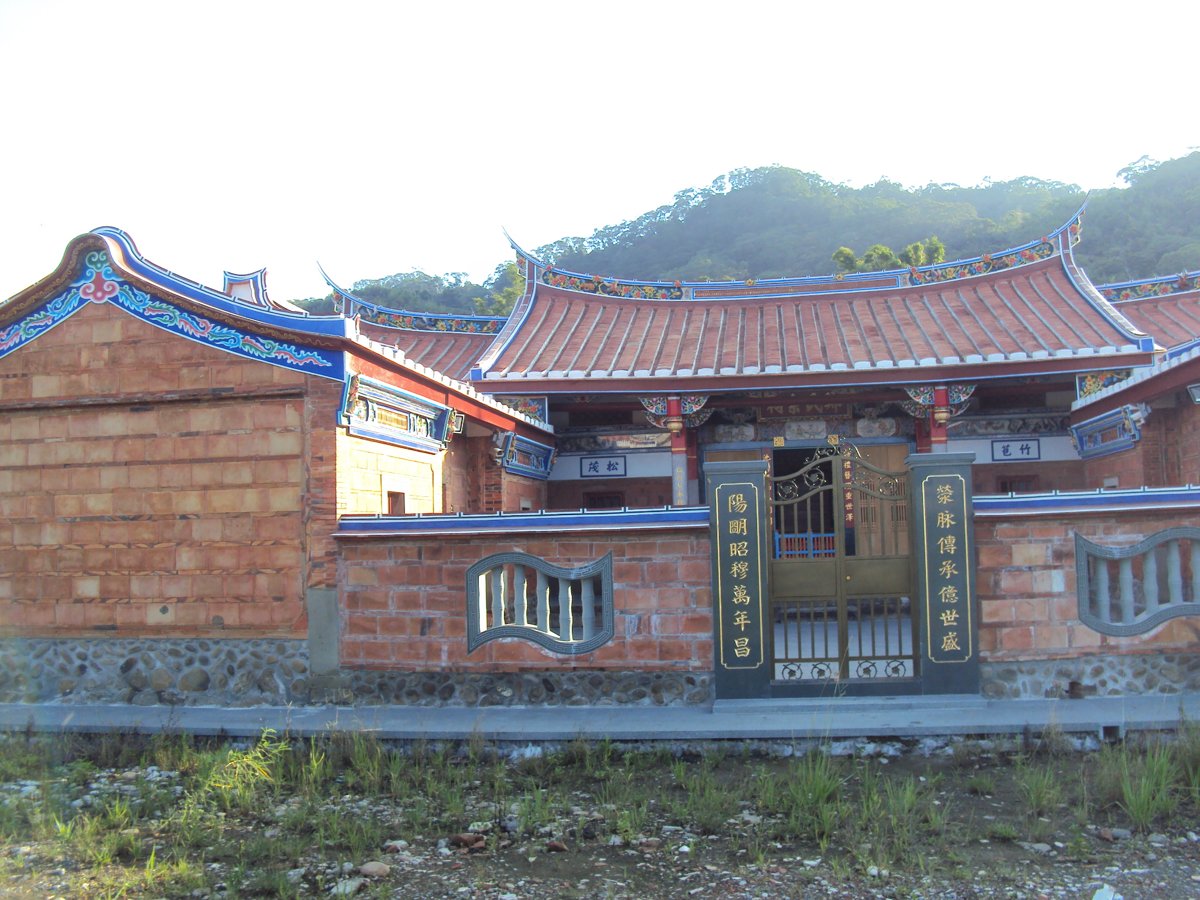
(752, 719)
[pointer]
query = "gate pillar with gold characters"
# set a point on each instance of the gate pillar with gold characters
(738, 500)
(943, 534)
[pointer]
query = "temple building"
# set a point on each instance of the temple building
(947, 479)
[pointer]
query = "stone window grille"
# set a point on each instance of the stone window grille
(521, 596)
(1125, 591)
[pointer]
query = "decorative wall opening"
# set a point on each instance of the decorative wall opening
(1125, 591)
(521, 596)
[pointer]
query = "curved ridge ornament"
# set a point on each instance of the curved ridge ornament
(611, 287)
(1022, 256)
(99, 283)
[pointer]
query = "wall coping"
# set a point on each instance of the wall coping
(697, 517)
(1079, 502)
(558, 521)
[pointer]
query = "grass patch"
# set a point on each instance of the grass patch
(168, 815)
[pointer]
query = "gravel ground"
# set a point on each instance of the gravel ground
(578, 853)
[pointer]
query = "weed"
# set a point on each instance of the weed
(367, 764)
(1108, 770)
(1039, 787)
(1148, 785)
(706, 803)
(1003, 831)
(631, 819)
(966, 753)
(1187, 757)
(982, 784)
(534, 810)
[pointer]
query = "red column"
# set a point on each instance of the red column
(679, 454)
(938, 418)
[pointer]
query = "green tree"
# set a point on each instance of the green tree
(880, 257)
(506, 286)
(929, 253)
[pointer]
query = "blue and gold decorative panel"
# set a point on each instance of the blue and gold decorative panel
(375, 410)
(522, 456)
(1110, 432)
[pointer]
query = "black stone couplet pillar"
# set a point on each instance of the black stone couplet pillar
(943, 530)
(738, 505)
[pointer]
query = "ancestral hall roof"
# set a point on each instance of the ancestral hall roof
(1028, 310)
(1166, 307)
(451, 353)
(104, 266)
(451, 344)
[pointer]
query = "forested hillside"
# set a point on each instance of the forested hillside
(775, 222)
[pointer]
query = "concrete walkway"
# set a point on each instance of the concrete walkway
(1105, 717)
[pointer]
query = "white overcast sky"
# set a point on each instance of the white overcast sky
(382, 137)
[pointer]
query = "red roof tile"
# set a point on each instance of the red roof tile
(1045, 310)
(453, 354)
(1172, 320)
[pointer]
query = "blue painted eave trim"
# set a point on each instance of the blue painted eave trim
(133, 261)
(1087, 501)
(503, 523)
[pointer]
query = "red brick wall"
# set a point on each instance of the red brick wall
(403, 602)
(521, 492)
(1143, 465)
(1065, 475)
(1027, 586)
(638, 492)
(320, 499)
(148, 485)
(1183, 435)
(465, 459)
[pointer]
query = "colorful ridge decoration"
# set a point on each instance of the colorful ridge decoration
(986, 263)
(610, 287)
(1157, 287)
(100, 284)
(408, 321)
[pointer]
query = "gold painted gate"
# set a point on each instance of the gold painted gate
(841, 578)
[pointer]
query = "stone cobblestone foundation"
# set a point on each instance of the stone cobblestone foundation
(147, 672)
(276, 672)
(549, 688)
(1100, 676)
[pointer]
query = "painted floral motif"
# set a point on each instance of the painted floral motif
(534, 407)
(986, 263)
(101, 287)
(99, 283)
(417, 322)
(38, 322)
(1094, 382)
(921, 394)
(689, 404)
(610, 287)
(1160, 287)
(656, 406)
(922, 397)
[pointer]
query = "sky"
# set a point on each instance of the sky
(376, 138)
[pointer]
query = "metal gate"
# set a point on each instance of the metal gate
(841, 572)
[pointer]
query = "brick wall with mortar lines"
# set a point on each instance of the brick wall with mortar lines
(637, 492)
(1154, 461)
(149, 485)
(522, 492)
(1184, 437)
(1028, 604)
(368, 470)
(403, 602)
(1056, 475)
